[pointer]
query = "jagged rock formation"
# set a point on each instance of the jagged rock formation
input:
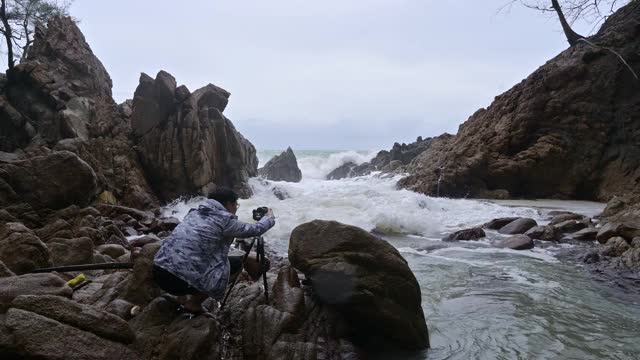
(385, 161)
(567, 131)
(185, 143)
(283, 167)
(60, 99)
(366, 279)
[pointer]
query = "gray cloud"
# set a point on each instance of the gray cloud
(357, 74)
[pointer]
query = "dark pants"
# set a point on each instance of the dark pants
(178, 287)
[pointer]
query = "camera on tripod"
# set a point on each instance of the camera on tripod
(260, 212)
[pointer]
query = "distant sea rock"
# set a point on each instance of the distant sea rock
(283, 167)
(385, 161)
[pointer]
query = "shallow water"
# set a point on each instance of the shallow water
(480, 302)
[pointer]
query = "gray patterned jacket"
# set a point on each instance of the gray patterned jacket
(197, 249)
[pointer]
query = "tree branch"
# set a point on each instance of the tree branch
(615, 53)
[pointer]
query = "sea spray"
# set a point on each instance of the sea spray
(317, 164)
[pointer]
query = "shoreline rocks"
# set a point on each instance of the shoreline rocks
(390, 161)
(346, 266)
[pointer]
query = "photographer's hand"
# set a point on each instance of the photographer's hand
(270, 213)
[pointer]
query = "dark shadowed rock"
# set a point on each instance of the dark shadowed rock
(547, 233)
(186, 145)
(141, 289)
(54, 181)
(519, 226)
(557, 219)
(40, 337)
(63, 93)
(467, 234)
(496, 224)
(587, 234)
(5, 271)
(631, 258)
(385, 161)
(77, 315)
(21, 250)
(615, 247)
(31, 284)
(76, 251)
(160, 329)
(608, 231)
(345, 265)
(343, 171)
(112, 250)
(517, 242)
(570, 226)
(283, 167)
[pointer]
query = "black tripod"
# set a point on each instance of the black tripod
(263, 267)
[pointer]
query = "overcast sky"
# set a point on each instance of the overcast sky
(329, 74)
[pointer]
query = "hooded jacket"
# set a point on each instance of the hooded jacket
(197, 249)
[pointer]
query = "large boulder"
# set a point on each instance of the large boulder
(615, 247)
(498, 223)
(546, 233)
(77, 315)
(140, 289)
(566, 131)
(31, 284)
(467, 234)
(21, 250)
(40, 337)
(54, 181)
(283, 167)
(76, 251)
(519, 226)
(185, 143)
(366, 279)
(517, 242)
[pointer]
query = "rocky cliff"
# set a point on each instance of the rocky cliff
(569, 130)
(168, 142)
(60, 99)
(185, 144)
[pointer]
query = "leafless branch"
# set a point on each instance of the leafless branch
(615, 53)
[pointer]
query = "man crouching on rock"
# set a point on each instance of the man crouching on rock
(193, 259)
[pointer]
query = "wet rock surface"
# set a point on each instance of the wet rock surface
(385, 161)
(564, 132)
(347, 266)
(283, 167)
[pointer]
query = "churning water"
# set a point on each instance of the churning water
(480, 302)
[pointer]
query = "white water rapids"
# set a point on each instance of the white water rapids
(480, 302)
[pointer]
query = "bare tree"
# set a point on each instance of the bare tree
(18, 20)
(568, 11)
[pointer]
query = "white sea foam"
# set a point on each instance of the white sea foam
(370, 202)
(408, 250)
(536, 253)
